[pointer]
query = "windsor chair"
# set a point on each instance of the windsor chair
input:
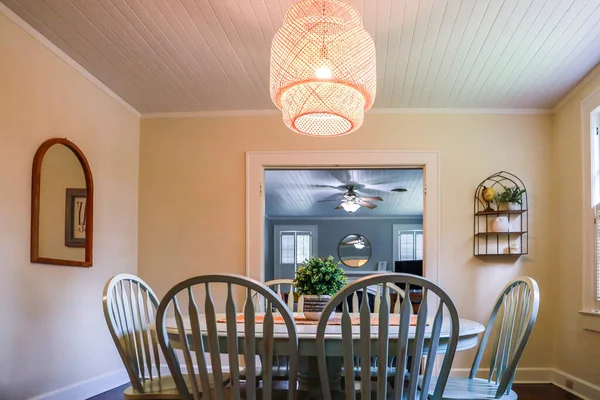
(204, 336)
(517, 305)
(410, 343)
(129, 307)
(279, 286)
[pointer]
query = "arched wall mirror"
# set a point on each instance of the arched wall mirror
(354, 250)
(62, 203)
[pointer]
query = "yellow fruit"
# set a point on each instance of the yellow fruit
(488, 194)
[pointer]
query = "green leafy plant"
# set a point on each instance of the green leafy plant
(511, 195)
(319, 276)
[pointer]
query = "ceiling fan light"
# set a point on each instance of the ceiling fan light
(359, 245)
(350, 207)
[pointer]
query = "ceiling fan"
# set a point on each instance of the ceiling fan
(351, 201)
(359, 242)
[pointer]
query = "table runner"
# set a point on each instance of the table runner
(300, 320)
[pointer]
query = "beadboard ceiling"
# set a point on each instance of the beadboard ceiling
(296, 193)
(206, 55)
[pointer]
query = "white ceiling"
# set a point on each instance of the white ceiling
(296, 193)
(203, 55)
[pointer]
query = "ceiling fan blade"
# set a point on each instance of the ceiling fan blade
(377, 198)
(365, 204)
(338, 207)
(400, 190)
(320, 201)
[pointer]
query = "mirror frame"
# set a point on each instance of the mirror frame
(370, 250)
(35, 205)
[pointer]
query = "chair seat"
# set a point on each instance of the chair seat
(468, 389)
(163, 388)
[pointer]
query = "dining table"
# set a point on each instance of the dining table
(308, 376)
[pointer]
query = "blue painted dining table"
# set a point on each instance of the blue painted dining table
(308, 368)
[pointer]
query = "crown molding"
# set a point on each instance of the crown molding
(377, 111)
(212, 114)
(8, 13)
(459, 111)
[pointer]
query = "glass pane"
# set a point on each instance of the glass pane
(597, 252)
(406, 246)
(303, 249)
(418, 245)
(287, 248)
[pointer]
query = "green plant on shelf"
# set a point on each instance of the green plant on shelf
(319, 276)
(511, 195)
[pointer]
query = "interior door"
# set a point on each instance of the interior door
(293, 245)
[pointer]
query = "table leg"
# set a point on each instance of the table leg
(308, 375)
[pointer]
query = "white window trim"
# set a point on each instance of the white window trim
(257, 162)
(591, 196)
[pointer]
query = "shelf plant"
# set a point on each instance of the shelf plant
(512, 197)
(317, 280)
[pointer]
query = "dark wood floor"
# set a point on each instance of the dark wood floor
(525, 392)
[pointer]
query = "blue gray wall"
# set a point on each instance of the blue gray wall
(332, 231)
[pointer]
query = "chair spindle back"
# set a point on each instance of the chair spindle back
(363, 344)
(511, 322)
(129, 308)
(202, 336)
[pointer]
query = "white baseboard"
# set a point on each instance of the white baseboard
(86, 389)
(581, 388)
(92, 387)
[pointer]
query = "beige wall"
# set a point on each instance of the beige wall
(61, 170)
(577, 351)
(53, 331)
(192, 198)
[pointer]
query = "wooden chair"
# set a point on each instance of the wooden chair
(203, 337)
(129, 308)
(378, 293)
(365, 346)
(354, 307)
(276, 285)
(518, 305)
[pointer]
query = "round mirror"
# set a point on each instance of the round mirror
(354, 250)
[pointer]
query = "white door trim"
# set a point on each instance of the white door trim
(257, 162)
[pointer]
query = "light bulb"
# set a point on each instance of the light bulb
(350, 207)
(323, 72)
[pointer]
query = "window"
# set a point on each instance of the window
(295, 246)
(409, 245)
(595, 192)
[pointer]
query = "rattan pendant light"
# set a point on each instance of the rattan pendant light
(323, 73)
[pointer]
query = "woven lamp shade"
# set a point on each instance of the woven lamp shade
(323, 74)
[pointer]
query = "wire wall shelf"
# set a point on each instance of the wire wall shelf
(501, 227)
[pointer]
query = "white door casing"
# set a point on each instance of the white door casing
(257, 162)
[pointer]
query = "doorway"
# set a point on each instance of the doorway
(259, 162)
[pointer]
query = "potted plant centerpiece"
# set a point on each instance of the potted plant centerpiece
(511, 199)
(317, 280)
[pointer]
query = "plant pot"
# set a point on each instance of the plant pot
(513, 206)
(314, 305)
(510, 206)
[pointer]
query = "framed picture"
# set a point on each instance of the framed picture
(382, 266)
(75, 218)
